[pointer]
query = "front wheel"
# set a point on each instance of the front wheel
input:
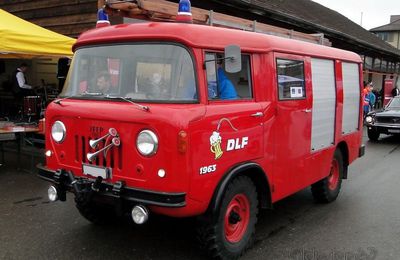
(373, 134)
(327, 189)
(95, 213)
(230, 232)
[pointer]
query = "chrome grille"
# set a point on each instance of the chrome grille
(82, 148)
(388, 120)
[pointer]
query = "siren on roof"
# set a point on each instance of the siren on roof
(102, 19)
(184, 12)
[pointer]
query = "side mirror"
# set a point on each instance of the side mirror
(233, 59)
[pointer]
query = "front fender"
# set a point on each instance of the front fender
(255, 173)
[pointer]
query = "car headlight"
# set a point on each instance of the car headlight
(147, 143)
(58, 131)
(369, 119)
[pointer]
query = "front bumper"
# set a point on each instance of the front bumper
(116, 191)
(385, 128)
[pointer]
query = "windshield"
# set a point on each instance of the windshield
(141, 72)
(394, 104)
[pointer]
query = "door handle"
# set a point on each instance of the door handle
(307, 110)
(258, 114)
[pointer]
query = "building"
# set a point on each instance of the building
(390, 32)
(381, 60)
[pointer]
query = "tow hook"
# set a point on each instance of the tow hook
(96, 184)
(84, 194)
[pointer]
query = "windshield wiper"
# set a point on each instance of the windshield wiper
(86, 93)
(58, 101)
(127, 99)
(93, 94)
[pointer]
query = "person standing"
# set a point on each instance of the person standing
(372, 98)
(366, 97)
(21, 87)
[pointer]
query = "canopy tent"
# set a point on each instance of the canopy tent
(22, 39)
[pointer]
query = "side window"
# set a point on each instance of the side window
(227, 86)
(290, 79)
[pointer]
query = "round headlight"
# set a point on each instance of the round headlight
(58, 131)
(147, 143)
(368, 119)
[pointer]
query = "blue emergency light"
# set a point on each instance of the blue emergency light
(184, 11)
(102, 19)
(184, 7)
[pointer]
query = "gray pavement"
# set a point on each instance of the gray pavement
(364, 223)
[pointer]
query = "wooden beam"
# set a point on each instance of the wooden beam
(167, 11)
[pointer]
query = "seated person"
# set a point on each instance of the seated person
(103, 82)
(157, 88)
(225, 86)
(212, 89)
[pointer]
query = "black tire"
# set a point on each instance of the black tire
(217, 236)
(327, 189)
(373, 134)
(95, 213)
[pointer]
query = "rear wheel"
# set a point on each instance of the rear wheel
(230, 232)
(327, 189)
(373, 134)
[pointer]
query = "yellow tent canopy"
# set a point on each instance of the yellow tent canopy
(22, 39)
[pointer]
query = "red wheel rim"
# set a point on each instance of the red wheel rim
(333, 178)
(237, 218)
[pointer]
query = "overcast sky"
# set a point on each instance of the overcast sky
(375, 12)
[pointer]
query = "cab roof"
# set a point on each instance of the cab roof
(208, 37)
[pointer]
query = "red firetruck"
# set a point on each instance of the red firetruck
(193, 120)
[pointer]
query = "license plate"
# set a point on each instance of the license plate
(394, 131)
(96, 171)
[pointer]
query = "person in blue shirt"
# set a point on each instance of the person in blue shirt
(225, 87)
(372, 98)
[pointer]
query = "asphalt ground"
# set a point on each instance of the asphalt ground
(364, 222)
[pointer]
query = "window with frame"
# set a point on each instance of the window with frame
(386, 36)
(227, 86)
(383, 35)
(377, 64)
(141, 72)
(368, 61)
(290, 75)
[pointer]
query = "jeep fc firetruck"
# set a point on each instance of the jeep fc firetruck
(165, 137)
